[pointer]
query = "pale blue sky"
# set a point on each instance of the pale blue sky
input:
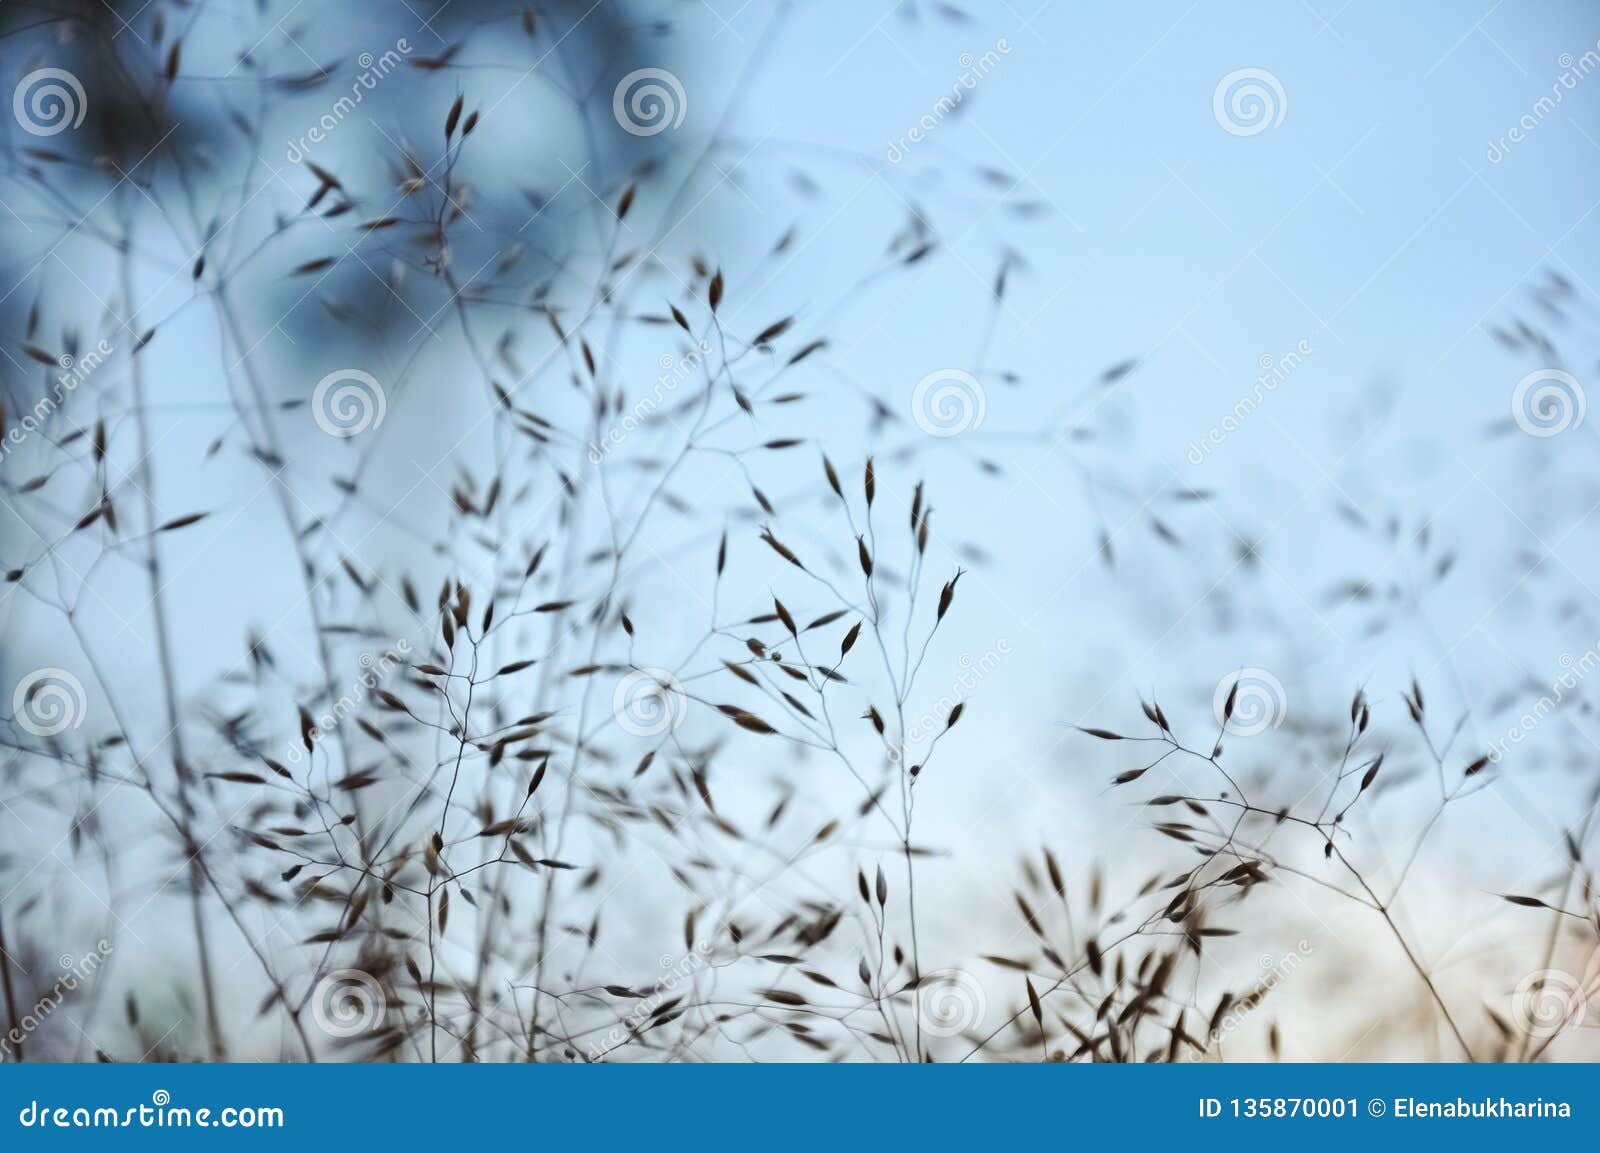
(1366, 225)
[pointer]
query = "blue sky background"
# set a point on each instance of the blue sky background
(1368, 225)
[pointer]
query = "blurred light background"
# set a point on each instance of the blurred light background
(1374, 514)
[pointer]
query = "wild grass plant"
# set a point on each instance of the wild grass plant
(453, 615)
